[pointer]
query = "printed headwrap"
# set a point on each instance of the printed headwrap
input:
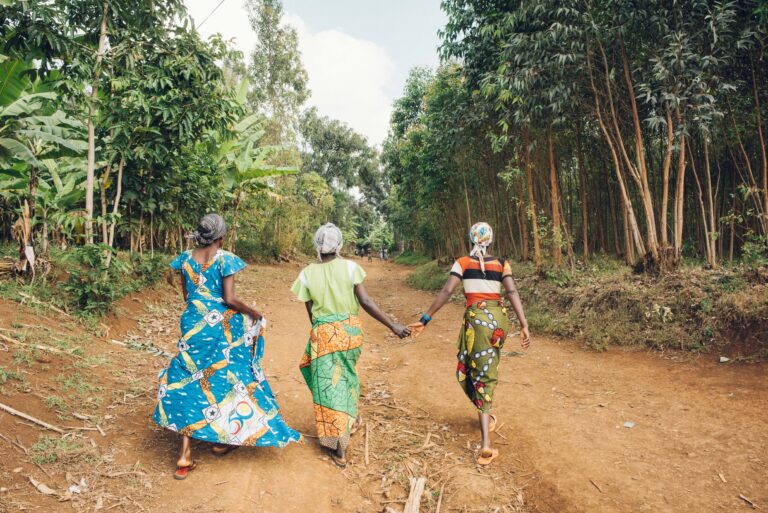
(328, 240)
(481, 235)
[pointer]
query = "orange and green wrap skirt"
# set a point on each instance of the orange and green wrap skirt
(329, 369)
(482, 336)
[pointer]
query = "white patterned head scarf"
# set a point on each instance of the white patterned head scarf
(481, 235)
(328, 240)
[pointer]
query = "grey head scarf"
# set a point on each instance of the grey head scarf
(211, 228)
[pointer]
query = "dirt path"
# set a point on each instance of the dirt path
(700, 435)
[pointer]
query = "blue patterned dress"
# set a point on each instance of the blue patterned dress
(214, 389)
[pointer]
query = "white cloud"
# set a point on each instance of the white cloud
(349, 77)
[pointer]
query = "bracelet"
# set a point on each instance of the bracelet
(425, 319)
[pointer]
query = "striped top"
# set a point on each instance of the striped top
(479, 286)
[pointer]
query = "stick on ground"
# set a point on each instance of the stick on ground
(414, 497)
(31, 418)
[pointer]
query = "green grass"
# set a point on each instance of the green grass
(54, 402)
(408, 258)
(24, 357)
(75, 382)
(428, 276)
(49, 450)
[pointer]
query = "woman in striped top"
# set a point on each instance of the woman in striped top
(484, 328)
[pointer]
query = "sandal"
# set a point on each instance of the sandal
(182, 472)
(487, 456)
(339, 462)
(492, 423)
(222, 450)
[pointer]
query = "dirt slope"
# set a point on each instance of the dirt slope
(564, 447)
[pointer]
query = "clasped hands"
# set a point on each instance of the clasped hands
(417, 328)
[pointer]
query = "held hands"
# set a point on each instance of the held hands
(417, 329)
(400, 330)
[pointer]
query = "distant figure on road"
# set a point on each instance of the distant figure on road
(215, 390)
(484, 328)
(370, 254)
(333, 292)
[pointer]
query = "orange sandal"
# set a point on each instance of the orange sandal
(487, 456)
(182, 472)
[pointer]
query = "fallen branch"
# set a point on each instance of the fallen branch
(413, 504)
(41, 347)
(440, 498)
(30, 418)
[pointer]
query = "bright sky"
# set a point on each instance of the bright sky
(357, 52)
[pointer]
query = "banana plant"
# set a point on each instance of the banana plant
(244, 161)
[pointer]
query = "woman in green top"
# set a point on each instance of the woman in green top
(333, 292)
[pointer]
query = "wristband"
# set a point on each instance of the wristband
(425, 319)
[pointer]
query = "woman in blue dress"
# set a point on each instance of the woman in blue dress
(214, 390)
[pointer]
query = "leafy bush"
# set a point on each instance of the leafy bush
(96, 279)
(147, 270)
(427, 276)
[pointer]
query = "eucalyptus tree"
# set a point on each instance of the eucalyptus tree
(278, 81)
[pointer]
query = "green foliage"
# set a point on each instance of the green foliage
(94, 282)
(409, 258)
(427, 276)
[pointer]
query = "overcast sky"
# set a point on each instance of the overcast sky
(357, 52)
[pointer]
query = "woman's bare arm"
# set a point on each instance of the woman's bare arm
(232, 301)
(370, 306)
(309, 305)
(517, 305)
(444, 295)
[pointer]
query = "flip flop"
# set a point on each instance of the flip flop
(222, 450)
(339, 462)
(182, 472)
(487, 456)
(492, 423)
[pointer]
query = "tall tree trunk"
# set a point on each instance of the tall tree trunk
(665, 178)
(531, 200)
(632, 220)
(583, 185)
(92, 110)
(103, 186)
(557, 238)
(523, 221)
(680, 193)
(761, 139)
(713, 233)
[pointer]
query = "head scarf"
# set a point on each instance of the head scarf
(328, 240)
(481, 235)
(211, 228)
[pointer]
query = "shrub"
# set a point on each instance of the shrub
(97, 278)
(408, 258)
(427, 276)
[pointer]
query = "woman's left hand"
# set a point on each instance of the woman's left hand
(525, 338)
(417, 329)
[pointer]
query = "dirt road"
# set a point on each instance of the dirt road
(698, 441)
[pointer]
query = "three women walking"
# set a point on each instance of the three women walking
(215, 389)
